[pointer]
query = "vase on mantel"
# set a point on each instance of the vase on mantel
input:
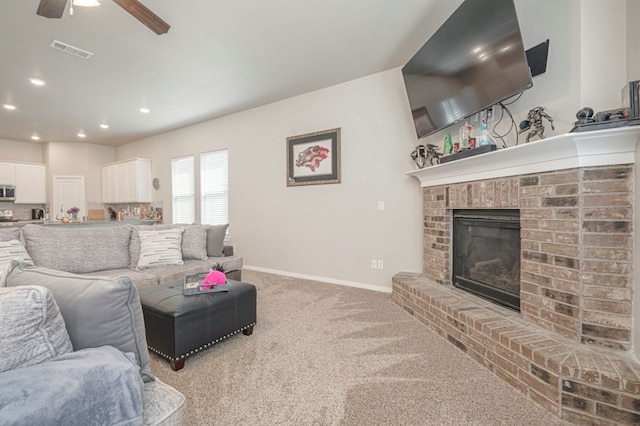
(74, 217)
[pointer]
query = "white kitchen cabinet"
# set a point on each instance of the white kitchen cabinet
(127, 182)
(7, 174)
(31, 183)
(108, 189)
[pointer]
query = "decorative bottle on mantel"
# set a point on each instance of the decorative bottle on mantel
(485, 137)
(448, 144)
(465, 135)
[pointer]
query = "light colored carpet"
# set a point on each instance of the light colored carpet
(323, 354)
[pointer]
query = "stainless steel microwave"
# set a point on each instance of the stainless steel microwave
(7, 193)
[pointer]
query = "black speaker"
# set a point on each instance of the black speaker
(537, 58)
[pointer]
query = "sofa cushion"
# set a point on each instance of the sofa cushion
(78, 249)
(31, 327)
(140, 279)
(160, 247)
(97, 310)
(215, 239)
(96, 386)
(10, 250)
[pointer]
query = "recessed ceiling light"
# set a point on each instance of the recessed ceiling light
(35, 137)
(9, 106)
(37, 82)
(145, 110)
(81, 135)
(104, 126)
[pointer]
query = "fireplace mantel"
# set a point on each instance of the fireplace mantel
(582, 149)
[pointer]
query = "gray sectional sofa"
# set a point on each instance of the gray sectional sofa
(112, 251)
(70, 311)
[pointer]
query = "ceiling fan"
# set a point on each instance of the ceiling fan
(55, 9)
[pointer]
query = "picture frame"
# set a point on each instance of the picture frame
(314, 158)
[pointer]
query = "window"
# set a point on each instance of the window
(183, 190)
(214, 187)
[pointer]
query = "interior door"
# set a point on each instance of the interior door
(68, 191)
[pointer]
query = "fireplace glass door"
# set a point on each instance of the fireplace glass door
(486, 254)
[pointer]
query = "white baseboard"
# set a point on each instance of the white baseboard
(316, 278)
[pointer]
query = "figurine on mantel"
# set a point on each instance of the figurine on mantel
(534, 122)
(424, 153)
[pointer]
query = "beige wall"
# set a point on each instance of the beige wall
(327, 231)
(21, 152)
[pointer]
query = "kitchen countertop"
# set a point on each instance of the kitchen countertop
(20, 223)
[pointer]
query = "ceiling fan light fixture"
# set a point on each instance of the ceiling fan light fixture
(86, 3)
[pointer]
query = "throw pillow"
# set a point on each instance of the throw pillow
(97, 310)
(9, 234)
(10, 250)
(31, 328)
(134, 243)
(97, 386)
(215, 240)
(160, 247)
(194, 242)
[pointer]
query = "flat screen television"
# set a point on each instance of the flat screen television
(473, 61)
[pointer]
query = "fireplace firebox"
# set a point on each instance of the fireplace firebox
(486, 254)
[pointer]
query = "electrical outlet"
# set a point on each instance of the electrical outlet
(374, 264)
(380, 205)
(380, 264)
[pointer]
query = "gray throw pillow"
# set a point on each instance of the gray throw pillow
(31, 328)
(10, 250)
(9, 234)
(215, 239)
(194, 242)
(97, 311)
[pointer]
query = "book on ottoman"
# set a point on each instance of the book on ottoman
(193, 285)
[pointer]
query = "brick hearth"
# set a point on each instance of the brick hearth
(570, 347)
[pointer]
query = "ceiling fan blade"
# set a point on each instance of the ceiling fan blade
(51, 8)
(144, 15)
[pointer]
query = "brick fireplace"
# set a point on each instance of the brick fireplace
(569, 348)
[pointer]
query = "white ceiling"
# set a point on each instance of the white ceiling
(219, 57)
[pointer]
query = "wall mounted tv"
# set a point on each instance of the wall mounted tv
(473, 61)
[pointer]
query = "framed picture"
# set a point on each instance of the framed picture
(314, 158)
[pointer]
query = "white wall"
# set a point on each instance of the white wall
(329, 231)
(603, 43)
(20, 151)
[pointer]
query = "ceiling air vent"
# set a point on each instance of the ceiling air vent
(72, 50)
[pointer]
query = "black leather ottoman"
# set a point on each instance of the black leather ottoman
(178, 326)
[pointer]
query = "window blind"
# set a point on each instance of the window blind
(214, 187)
(183, 190)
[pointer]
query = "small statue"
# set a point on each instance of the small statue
(534, 119)
(424, 153)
